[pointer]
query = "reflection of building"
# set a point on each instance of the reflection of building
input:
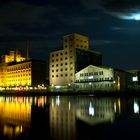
(74, 57)
(95, 111)
(100, 78)
(62, 119)
(19, 71)
(15, 115)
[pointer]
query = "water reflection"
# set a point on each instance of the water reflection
(65, 117)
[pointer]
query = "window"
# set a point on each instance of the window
(66, 40)
(61, 64)
(56, 70)
(56, 59)
(61, 75)
(52, 76)
(56, 54)
(56, 75)
(66, 53)
(61, 53)
(66, 75)
(71, 74)
(52, 55)
(56, 65)
(61, 69)
(52, 70)
(66, 69)
(66, 63)
(61, 59)
(52, 65)
(70, 62)
(66, 58)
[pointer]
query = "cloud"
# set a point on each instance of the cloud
(102, 42)
(91, 4)
(123, 9)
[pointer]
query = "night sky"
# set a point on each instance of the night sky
(113, 27)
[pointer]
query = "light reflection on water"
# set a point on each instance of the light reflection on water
(66, 117)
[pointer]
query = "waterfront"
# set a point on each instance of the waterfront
(69, 117)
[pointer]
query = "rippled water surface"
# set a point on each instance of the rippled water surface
(69, 118)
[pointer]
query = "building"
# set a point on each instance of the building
(20, 71)
(100, 79)
(135, 77)
(75, 56)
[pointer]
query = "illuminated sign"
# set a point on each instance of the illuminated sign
(135, 78)
(90, 77)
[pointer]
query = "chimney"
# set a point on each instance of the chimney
(27, 45)
(16, 54)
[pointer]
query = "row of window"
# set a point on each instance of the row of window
(61, 75)
(95, 85)
(19, 75)
(91, 73)
(95, 79)
(61, 59)
(57, 70)
(60, 64)
(61, 53)
(20, 71)
(18, 80)
(19, 67)
(81, 46)
(80, 40)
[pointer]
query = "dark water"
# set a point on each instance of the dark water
(69, 118)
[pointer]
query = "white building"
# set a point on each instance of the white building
(100, 79)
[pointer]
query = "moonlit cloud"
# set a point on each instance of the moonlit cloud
(123, 9)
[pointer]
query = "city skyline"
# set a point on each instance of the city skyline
(112, 27)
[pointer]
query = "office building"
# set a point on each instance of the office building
(75, 56)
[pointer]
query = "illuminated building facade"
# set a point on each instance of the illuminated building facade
(19, 71)
(75, 56)
(100, 79)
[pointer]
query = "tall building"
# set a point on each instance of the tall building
(75, 56)
(16, 70)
